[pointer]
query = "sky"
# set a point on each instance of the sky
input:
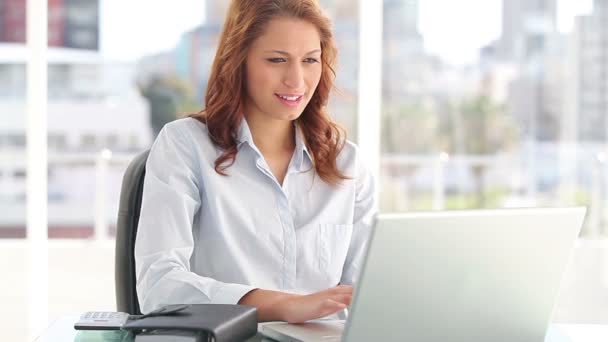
(476, 23)
(130, 29)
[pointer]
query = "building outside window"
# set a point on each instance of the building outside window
(484, 104)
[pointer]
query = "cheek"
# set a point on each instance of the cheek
(261, 77)
(313, 78)
(259, 82)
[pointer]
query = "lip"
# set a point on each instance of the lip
(288, 94)
(290, 103)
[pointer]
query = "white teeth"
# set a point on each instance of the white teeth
(289, 98)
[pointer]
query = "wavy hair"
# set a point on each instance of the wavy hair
(223, 112)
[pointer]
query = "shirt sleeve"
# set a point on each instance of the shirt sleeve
(362, 221)
(164, 242)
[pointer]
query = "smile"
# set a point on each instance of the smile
(290, 100)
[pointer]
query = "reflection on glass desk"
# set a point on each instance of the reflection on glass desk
(63, 330)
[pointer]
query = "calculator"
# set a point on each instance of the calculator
(101, 320)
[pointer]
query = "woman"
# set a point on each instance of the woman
(258, 199)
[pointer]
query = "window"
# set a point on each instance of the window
(491, 104)
(112, 141)
(19, 174)
(133, 143)
(485, 104)
(57, 141)
(88, 142)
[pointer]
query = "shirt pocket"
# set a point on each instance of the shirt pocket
(334, 240)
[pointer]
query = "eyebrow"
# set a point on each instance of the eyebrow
(287, 53)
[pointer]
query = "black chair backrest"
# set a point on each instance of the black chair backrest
(126, 230)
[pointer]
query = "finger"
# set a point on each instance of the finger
(342, 298)
(341, 289)
(345, 290)
(330, 306)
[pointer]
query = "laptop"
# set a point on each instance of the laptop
(470, 275)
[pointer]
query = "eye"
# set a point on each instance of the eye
(311, 60)
(276, 60)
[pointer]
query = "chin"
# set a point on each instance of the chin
(289, 115)
(294, 116)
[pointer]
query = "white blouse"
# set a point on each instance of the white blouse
(208, 238)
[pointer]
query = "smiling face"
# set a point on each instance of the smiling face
(283, 69)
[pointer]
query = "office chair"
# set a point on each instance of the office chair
(126, 230)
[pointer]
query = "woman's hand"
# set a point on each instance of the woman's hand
(279, 306)
(298, 309)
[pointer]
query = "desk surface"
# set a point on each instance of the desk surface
(63, 330)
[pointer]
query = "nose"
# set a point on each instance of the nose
(294, 76)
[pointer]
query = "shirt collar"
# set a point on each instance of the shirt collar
(303, 159)
(244, 135)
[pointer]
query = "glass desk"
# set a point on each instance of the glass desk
(63, 330)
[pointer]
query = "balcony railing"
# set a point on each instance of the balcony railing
(437, 176)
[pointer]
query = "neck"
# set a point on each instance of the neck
(272, 136)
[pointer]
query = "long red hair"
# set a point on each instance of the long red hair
(223, 112)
